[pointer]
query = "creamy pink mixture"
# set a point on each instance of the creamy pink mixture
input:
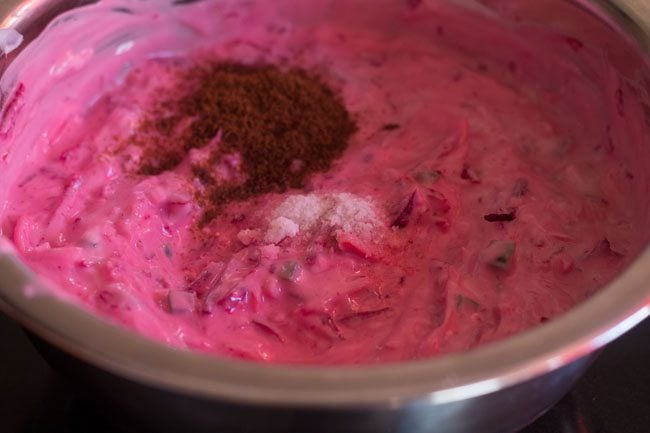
(480, 197)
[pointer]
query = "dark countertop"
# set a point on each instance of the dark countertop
(613, 397)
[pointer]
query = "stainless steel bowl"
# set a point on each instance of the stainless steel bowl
(498, 388)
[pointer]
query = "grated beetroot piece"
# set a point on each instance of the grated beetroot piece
(254, 257)
(12, 107)
(317, 327)
(501, 216)
(620, 102)
(207, 279)
(177, 209)
(575, 44)
(604, 249)
(443, 224)
(520, 187)
(404, 216)
(108, 299)
(210, 301)
(361, 316)
(609, 145)
(353, 245)
(470, 174)
(438, 202)
(268, 330)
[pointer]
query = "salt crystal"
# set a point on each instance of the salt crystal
(340, 211)
(353, 215)
(305, 210)
(281, 228)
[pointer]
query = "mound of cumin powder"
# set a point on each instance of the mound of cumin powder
(285, 125)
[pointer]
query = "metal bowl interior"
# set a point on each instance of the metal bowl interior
(614, 310)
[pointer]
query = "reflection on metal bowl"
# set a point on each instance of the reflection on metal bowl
(498, 388)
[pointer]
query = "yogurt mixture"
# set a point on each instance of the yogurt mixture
(481, 194)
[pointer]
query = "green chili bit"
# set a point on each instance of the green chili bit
(427, 176)
(167, 249)
(469, 302)
(500, 253)
(289, 271)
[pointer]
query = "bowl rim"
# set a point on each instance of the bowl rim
(619, 306)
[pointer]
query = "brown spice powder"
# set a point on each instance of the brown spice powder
(285, 125)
